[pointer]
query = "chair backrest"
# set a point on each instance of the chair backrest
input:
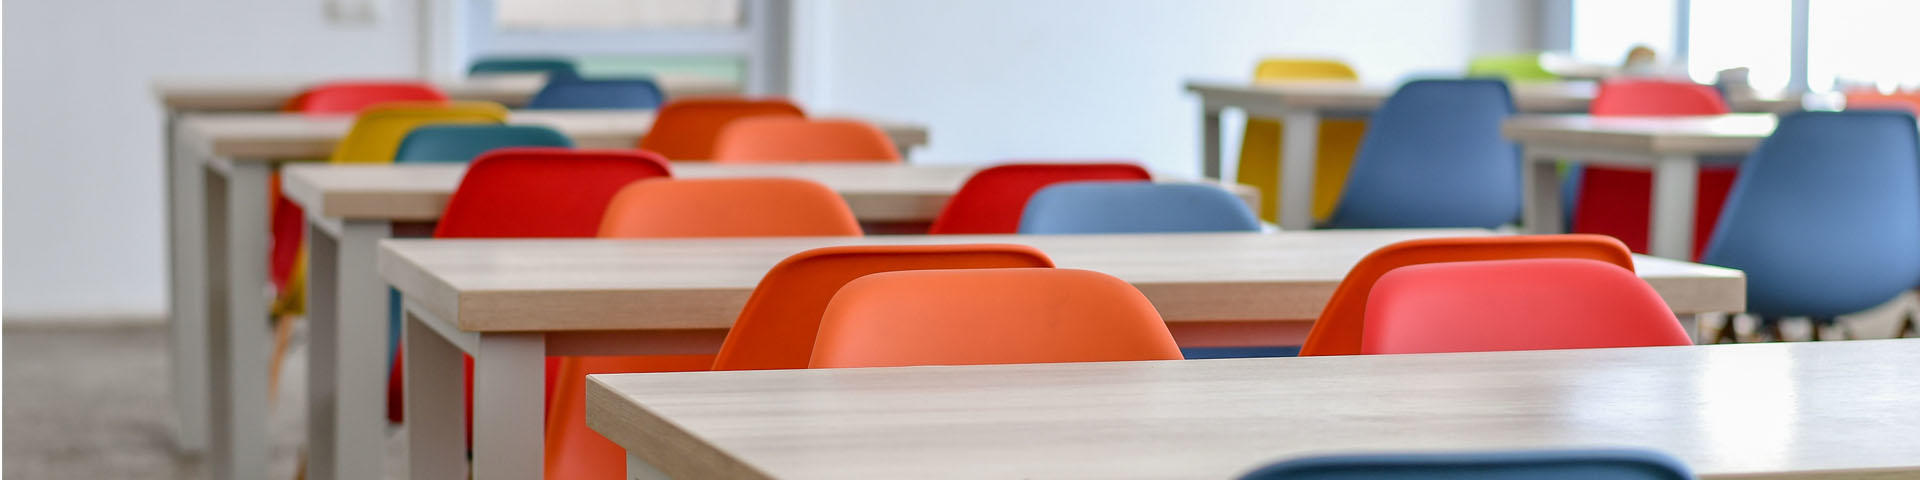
(1614, 201)
(1135, 207)
(1517, 67)
(336, 98)
(377, 132)
(554, 67)
(1824, 218)
(989, 316)
(463, 143)
(777, 327)
(573, 93)
(788, 139)
(728, 207)
(687, 129)
(1874, 100)
(1531, 304)
(1337, 331)
(1302, 69)
(992, 199)
(1654, 97)
(541, 192)
(1595, 464)
(1261, 144)
(1433, 156)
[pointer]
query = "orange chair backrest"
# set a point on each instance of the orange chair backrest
(728, 207)
(350, 97)
(1874, 100)
(781, 319)
(788, 139)
(687, 129)
(1338, 330)
(989, 316)
(1531, 304)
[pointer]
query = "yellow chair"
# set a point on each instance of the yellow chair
(1339, 139)
(376, 134)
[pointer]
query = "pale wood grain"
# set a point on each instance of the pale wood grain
(1800, 410)
(585, 284)
(1343, 96)
(240, 93)
(282, 136)
(1731, 134)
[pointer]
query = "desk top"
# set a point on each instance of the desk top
(418, 192)
(1796, 410)
(1355, 97)
(586, 284)
(277, 136)
(269, 93)
(1728, 134)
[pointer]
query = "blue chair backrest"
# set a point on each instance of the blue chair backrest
(554, 67)
(595, 94)
(461, 143)
(1825, 215)
(1433, 156)
(1135, 207)
(1608, 464)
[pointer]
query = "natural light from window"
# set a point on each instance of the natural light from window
(1855, 43)
(1603, 30)
(1757, 34)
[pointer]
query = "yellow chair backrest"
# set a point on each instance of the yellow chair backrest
(376, 134)
(1339, 138)
(1302, 69)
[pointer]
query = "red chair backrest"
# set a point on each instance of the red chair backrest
(542, 192)
(1532, 304)
(1645, 97)
(354, 96)
(991, 200)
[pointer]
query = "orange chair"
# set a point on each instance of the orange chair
(989, 316)
(1874, 100)
(728, 207)
(1338, 330)
(1499, 305)
(686, 129)
(787, 139)
(992, 199)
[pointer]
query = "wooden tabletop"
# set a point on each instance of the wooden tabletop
(1735, 133)
(257, 93)
(558, 285)
(272, 136)
(1779, 410)
(875, 192)
(1330, 96)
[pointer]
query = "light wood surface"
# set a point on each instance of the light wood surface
(1527, 97)
(1780, 410)
(875, 192)
(1708, 135)
(558, 285)
(279, 136)
(271, 93)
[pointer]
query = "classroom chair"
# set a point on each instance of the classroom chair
(1617, 201)
(350, 97)
(1135, 207)
(786, 139)
(1874, 100)
(1824, 218)
(573, 93)
(989, 316)
(456, 143)
(1337, 331)
(1500, 305)
(554, 67)
(728, 207)
(1581, 464)
(991, 201)
(1261, 144)
(1433, 156)
(687, 129)
(1517, 68)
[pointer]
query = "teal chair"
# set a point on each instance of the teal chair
(637, 93)
(554, 67)
(1595, 464)
(461, 143)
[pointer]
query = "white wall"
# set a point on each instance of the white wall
(84, 211)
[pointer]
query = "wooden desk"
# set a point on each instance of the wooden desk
(1670, 146)
(1822, 410)
(269, 93)
(1302, 105)
(509, 303)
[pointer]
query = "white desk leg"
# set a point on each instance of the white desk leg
(1675, 178)
(1298, 156)
(346, 382)
(237, 324)
(509, 423)
(187, 316)
(1540, 195)
(435, 403)
(1210, 160)
(639, 469)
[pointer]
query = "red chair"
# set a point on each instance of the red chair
(347, 98)
(1499, 305)
(1616, 201)
(991, 200)
(687, 129)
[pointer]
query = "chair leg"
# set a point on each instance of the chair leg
(1729, 331)
(282, 336)
(1814, 325)
(1771, 326)
(1907, 326)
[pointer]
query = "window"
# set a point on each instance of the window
(617, 14)
(1756, 34)
(1859, 43)
(1603, 30)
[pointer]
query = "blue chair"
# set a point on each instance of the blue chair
(598, 94)
(1608, 464)
(1433, 156)
(554, 67)
(1825, 216)
(460, 143)
(1135, 207)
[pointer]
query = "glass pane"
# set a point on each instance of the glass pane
(1857, 43)
(1756, 34)
(1603, 30)
(617, 14)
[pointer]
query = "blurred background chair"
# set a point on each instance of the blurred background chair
(1610, 464)
(787, 139)
(461, 143)
(1617, 201)
(578, 94)
(1433, 156)
(1135, 207)
(1262, 143)
(1529, 304)
(689, 128)
(992, 200)
(556, 68)
(1515, 67)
